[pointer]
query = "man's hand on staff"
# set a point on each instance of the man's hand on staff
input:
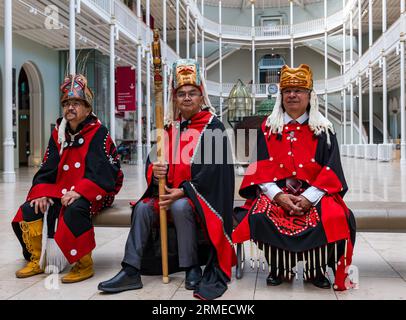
(41, 204)
(172, 195)
(159, 170)
(289, 203)
(69, 198)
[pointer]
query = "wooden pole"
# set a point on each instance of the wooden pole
(159, 114)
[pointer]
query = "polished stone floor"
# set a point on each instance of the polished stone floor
(379, 258)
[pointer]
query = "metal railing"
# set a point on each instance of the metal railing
(303, 29)
(137, 30)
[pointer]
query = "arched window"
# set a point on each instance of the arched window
(269, 68)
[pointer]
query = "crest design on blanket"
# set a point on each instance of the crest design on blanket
(288, 225)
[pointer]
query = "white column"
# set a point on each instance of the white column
(371, 106)
(371, 84)
(344, 116)
(344, 43)
(139, 94)
(370, 18)
(220, 63)
(352, 113)
(402, 90)
(344, 93)
(384, 100)
(196, 55)
(351, 40)
(147, 12)
(253, 54)
(359, 30)
(112, 80)
(187, 30)
(203, 64)
(177, 27)
(291, 34)
(384, 21)
(148, 80)
(359, 109)
(402, 102)
(325, 59)
(9, 175)
(148, 102)
(72, 37)
(164, 56)
(139, 107)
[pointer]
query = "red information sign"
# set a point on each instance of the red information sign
(125, 89)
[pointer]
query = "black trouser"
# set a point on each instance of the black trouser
(141, 226)
(76, 216)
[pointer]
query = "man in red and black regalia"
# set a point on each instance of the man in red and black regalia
(200, 193)
(79, 175)
(295, 190)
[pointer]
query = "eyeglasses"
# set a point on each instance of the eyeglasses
(75, 104)
(191, 94)
(295, 91)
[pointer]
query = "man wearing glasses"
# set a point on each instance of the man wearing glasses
(295, 188)
(200, 193)
(79, 175)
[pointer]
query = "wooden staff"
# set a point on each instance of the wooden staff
(159, 114)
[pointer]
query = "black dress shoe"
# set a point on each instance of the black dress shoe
(321, 281)
(193, 277)
(121, 282)
(273, 280)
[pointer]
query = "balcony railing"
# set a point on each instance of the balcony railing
(136, 30)
(304, 29)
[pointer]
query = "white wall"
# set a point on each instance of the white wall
(47, 62)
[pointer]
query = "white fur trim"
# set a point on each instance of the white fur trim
(52, 258)
(317, 122)
(275, 119)
(61, 134)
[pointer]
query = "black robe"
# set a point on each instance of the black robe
(209, 185)
(298, 153)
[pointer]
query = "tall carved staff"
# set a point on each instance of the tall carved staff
(159, 114)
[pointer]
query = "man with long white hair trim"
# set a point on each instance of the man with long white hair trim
(294, 190)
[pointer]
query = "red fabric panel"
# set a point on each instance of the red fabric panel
(242, 232)
(179, 158)
(90, 190)
(18, 217)
(225, 251)
(328, 181)
(149, 174)
(74, 248)
(288, 157)
(334, 219)
(342, 282)
(44, 190)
